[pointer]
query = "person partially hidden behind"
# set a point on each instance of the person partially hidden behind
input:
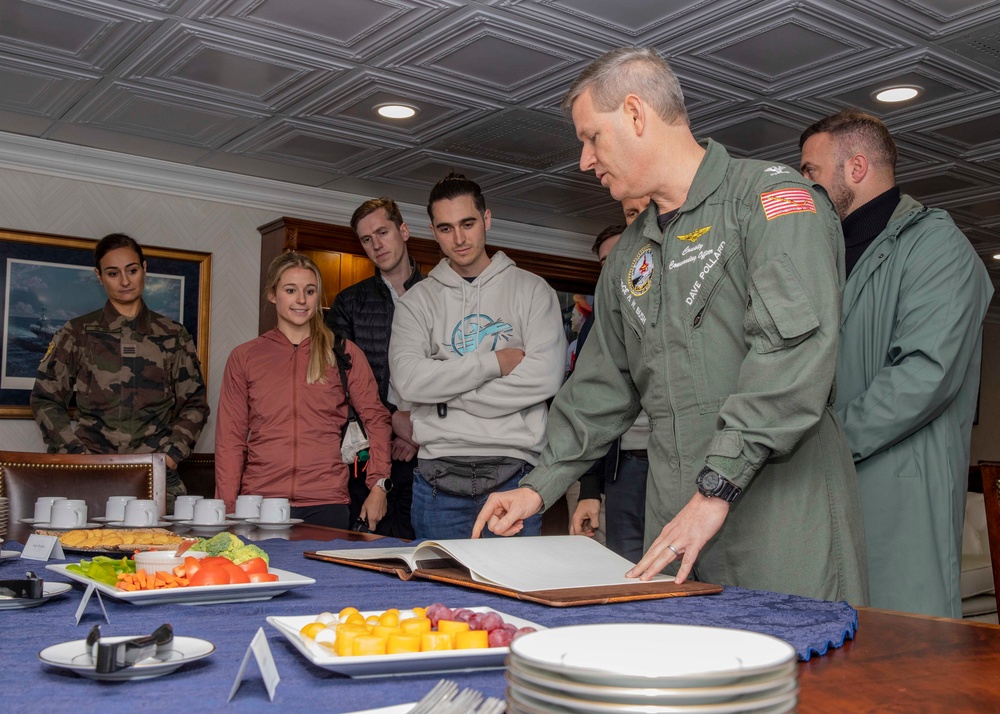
(622, 473)
(477, 349)
(362, 313)
(908, 370)
(132, 374)
(719, 316)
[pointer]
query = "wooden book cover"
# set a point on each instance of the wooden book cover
(560, 571)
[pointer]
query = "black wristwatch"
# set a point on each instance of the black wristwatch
(712, 484)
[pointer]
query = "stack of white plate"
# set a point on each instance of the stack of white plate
(650, 669)
(4, 515)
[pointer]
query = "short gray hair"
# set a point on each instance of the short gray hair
(631, 70)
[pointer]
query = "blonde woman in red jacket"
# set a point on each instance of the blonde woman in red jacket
(282, 410)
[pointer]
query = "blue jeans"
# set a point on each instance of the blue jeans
(625, 506)
(439, 515)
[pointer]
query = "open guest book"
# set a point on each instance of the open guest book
(561, 571)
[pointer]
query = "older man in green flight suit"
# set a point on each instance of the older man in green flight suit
(908, 373)
(719, 313)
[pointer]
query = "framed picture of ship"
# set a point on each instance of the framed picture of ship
(46, 280)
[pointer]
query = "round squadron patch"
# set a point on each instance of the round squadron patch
(640, 275)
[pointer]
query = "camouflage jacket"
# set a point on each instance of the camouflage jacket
(136, 385)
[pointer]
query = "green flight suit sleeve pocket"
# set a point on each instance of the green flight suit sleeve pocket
(779, 312)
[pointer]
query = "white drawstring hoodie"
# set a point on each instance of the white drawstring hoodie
(444, 333)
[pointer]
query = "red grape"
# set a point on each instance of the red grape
(500, 638)
(492, 621)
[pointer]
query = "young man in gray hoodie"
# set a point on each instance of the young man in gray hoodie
(477, 348)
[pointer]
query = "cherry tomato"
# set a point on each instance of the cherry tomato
(254, 565)
(263, 577)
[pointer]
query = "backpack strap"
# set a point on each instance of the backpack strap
(343, 364)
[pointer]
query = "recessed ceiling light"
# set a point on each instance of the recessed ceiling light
(395, 111)
(897, 94)
(996, 257)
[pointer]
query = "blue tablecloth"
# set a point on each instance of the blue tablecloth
(811, 626)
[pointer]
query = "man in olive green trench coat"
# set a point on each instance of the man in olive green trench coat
(908, 372)
(717, 313)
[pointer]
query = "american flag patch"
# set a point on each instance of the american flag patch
(786, 200)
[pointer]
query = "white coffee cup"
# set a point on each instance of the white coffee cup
(274, 510)
(43, 505)
(248, 506)
(115, 508)
(141, 513)
(68, 513)
(209, 512)
(184, 507)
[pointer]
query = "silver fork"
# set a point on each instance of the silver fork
(441, 694)
(465, 703)
(492, 705)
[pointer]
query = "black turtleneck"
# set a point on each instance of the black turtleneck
(863, 225)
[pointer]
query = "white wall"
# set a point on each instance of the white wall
(46, 204)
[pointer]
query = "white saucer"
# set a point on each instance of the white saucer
(105, 519)
(86, 526)
(255, 522)
(75, 657)
(122, 524)
(206, 526)
(49, 591)
(29, 521)
(234, 517)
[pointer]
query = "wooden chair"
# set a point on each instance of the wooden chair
(93, 477)
(197, 472)
(991, 492)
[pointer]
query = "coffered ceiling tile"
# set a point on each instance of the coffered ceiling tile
(89, 35)
(608, 213)
(777, 44)
(307, 145)
(936, 183)
(615, 23)
(353, 102)
(274, 170)
(970, 130)
(930, 18)
(36, 88)
(161, 5)
(516, 137)
(127, 143)
(148, 112)
(556, 193)
(358, 29)
(464, 50)
(17, 123)
(755, 131)
(980, 209)
(422, 169)
(210, 64)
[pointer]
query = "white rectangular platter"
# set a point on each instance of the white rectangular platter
(200, 595)
(396, 664)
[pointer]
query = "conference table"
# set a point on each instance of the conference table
(895, 663)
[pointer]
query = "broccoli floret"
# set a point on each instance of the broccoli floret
(245, 553)
(217, 544)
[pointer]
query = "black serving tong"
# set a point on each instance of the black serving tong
(113, 656)
(30, 588)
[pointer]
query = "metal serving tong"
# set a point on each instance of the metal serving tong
(113, 656)
(30, 588)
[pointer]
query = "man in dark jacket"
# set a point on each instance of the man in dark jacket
(363, 314)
